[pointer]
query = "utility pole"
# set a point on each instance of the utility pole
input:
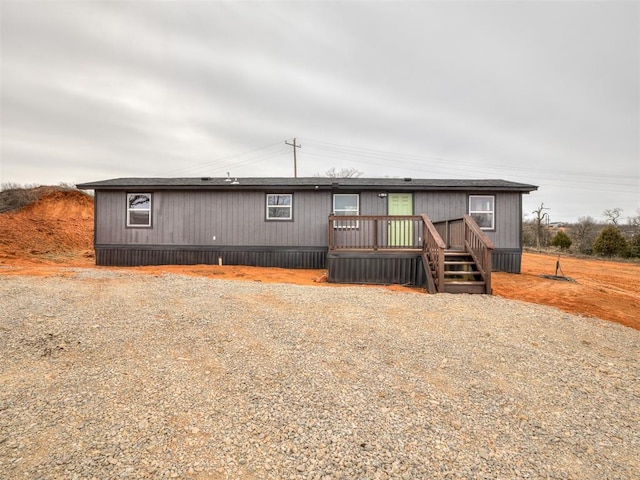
(295, 163)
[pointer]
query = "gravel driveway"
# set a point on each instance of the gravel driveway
(112, 374)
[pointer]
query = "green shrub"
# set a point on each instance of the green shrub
(610, 242)
(561, 240)
(634, 246)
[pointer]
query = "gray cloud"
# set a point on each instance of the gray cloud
(539, 92)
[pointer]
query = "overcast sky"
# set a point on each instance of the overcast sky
(546, 93)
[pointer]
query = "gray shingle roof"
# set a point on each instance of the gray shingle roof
(305, 183)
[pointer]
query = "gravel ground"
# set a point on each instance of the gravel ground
(111, 374)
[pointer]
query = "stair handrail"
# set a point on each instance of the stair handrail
(480, 246)
(433, 248)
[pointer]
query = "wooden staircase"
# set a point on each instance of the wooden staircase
(461, 274)
(457, 256)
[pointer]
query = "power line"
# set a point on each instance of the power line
(220, 160)
(442, 166)
(412, 158)
(481, 171)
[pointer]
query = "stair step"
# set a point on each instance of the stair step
(461, 281)
(461, 273)
(465, 287)
(464, 282)
(468, 267)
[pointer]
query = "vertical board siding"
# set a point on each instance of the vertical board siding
(193, 217)
(508, 220)
(371, 204)
(440, 206)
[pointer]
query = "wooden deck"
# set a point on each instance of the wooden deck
(455, 254)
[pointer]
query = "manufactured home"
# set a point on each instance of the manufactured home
(447, 235)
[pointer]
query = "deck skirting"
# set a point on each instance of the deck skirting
(506, 260)
(381, 268)
(257, 256)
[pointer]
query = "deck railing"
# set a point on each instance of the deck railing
(414, 233)
(375, 232)
(433, 256)
(389, 233)
(465, 234)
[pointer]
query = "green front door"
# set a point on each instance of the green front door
(400, 231)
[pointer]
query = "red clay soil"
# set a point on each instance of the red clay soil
(57, 231)
(57, 226)
(605, 289)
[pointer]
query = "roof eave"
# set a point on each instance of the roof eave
(218, 184)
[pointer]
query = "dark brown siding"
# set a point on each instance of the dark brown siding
(371, 204)
(441, 206)
(508, 221)
(195, 217)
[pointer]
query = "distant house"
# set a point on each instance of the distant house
(363, 230)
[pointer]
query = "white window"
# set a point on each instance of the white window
(346, 204)
(279, 206)
(482, 210)
(138, 209)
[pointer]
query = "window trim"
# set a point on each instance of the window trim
(341, 225)
(129, 210)
(492, 211)
(278, 219)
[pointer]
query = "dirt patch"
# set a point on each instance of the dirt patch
(56, 228)
(57, 231)
(605, 289)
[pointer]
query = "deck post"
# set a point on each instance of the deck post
(440, 255)
(375, 234)
(488, 268)
(331, 233)
(447, 233)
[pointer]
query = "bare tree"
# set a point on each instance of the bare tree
(635, 221)
(333, 172)
(612, 215)
(634, 242)
(528, 232)
(584, 233)
(541, 216)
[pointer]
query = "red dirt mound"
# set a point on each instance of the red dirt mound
(57, 226)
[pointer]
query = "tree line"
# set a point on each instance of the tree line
(610, 237)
